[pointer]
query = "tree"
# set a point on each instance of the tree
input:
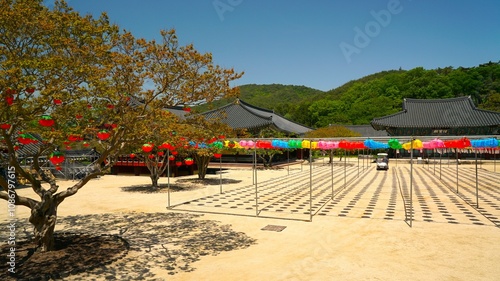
(334, 131)
(206, 139)
(96, 84)
(267, 154)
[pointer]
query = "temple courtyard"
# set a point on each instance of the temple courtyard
(306, 221)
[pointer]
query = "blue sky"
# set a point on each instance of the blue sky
(319, 44)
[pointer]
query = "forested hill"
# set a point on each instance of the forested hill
(359, 101)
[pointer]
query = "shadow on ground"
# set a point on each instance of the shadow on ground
(180, 185)
(121, 246)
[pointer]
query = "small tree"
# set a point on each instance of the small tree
(95, 84)
(334, 131)
(206, 139)
(267, 154)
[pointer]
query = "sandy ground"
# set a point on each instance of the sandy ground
(362, 233)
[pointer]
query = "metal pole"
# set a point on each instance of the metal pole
(168, 177)
(331, 172)
(495, 159)
(345, 165)
(411, 182)
(440, 154)
(428, 161)
(358, 163)
(363, 159)
(433, 156)
(310, 185)
(302, 159)
(288, 160)
(477, 188)
(456, 153)
(220, 173)
(255, 178)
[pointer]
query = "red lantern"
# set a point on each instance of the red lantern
(175, 152)
(147, 147)
(26, 139)
(9, 99)
(103, 134)
(189, 161)
(171, 158)
(56, 158)
(161, 153)
(178, 163)
(86, 144)
(57, 101)
(151, 156)
(343, 144)
(78, 116)
(73, 138)
(187, 109)
(30, 90)
(46, 121)
(217, 155)
(5, 126)
(58, 168)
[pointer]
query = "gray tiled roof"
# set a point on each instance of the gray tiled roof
(240, 114)
(438, 113)
(366, 130)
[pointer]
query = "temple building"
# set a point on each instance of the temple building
(439, 117)
(241, 115)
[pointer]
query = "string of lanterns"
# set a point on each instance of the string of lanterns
(461, 143)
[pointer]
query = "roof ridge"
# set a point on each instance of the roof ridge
(438, 100)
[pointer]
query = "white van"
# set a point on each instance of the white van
(382, 161)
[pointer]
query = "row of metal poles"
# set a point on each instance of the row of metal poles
(255, 179)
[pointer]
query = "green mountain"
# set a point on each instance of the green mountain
(359, 101)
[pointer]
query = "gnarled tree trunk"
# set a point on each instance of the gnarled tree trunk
(43, 217)
(202, 161)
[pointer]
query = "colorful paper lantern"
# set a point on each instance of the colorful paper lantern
(5, 126)
(371, 144)
(56, 157)
(189, 161)
(46, 121)
(103, 134)
(9, 99)
(147, 147)
(73, 138)
(26, 139)
(394, 144)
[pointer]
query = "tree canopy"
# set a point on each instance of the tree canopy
(68, 79)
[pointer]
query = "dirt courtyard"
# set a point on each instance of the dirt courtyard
(241, 231)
